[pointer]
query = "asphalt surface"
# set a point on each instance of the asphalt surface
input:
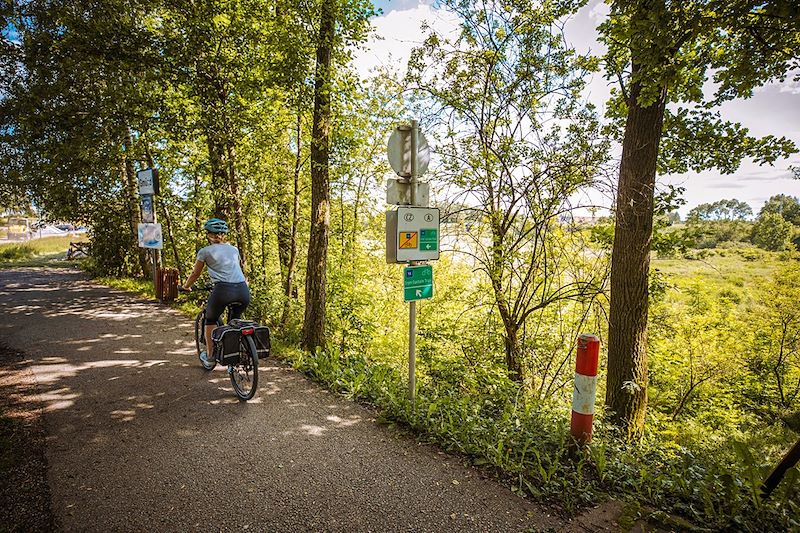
(140, 438)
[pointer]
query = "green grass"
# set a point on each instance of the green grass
(48, 251)
(719, 272)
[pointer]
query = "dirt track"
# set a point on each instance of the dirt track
(140, 438)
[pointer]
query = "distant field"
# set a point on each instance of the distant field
(38, 252)
(718, 274)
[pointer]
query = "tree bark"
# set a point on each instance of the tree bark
(287, 233)
(173, 244)
(236, 205)
(510, 322)
(132, 187)
(198, 215)
(219, 178)
(626, 392)
(316, 279)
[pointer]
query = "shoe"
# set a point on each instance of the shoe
(208, 363)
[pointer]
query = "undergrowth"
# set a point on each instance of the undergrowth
(478, 412)
(46, 251)
(16, 252)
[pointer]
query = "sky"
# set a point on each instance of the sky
(773, 109)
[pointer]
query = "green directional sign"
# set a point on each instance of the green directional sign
(417, 283)
(428, 239)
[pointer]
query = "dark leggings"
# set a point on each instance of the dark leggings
(223, 295)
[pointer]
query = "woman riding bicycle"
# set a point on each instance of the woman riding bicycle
(230, 287)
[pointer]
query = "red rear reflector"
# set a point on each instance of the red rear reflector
(248, 331)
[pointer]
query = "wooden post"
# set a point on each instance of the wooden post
(789, 460)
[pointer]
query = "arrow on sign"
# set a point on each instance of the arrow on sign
(419, 293)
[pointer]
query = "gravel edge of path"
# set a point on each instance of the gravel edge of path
(24, 488)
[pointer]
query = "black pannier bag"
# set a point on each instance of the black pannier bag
(226, 344)
(260, 336)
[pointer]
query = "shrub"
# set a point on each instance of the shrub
(771, 232)
(16, 252)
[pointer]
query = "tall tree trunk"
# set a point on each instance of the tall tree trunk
(132, 186)
(512, 349)
(284, 237)
(236, 205)
(173, 244)
(626, 392)
(510, 324)
(316, 282)
(219, 178)
(290, 290)
(198, 214)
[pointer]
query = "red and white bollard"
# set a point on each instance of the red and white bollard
(585, 388)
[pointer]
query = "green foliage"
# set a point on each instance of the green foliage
(788, 207)
(775, 348)
(720, 210)
(717, 224)
(477, 411)
(678, 47)
(492, 91)
(113, 246)
(771, 231)
(15, 252)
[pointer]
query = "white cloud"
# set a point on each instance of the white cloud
(790, 86)
(398, 32)
(600, 11)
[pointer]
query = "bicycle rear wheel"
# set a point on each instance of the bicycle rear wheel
(244, 374)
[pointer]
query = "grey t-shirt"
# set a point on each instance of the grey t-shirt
(222, 261)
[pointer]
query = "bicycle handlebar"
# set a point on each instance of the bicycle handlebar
(207, 287)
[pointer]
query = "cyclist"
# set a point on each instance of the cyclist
(230, 287)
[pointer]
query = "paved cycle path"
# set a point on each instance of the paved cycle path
(140, 438)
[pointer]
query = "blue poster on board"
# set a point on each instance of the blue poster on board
(147, 209)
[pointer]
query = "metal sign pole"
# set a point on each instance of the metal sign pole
(412, 306)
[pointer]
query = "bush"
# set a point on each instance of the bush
(771, 232)
(16, 252)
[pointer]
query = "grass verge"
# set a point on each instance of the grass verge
(47, 251)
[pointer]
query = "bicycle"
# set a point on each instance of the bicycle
(239, 353)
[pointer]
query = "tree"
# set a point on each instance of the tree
(784, 205)
(771, 232)
(721, 210)
(316, 275)
(776, 347)
(516, 143)
(12, 190)
(226, 58)
(713, 223)
(86, 83)
(340, 23)
(661, 52)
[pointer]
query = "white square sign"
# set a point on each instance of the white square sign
(146, 179)
(412, 234)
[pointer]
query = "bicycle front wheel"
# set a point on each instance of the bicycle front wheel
(244, 374)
